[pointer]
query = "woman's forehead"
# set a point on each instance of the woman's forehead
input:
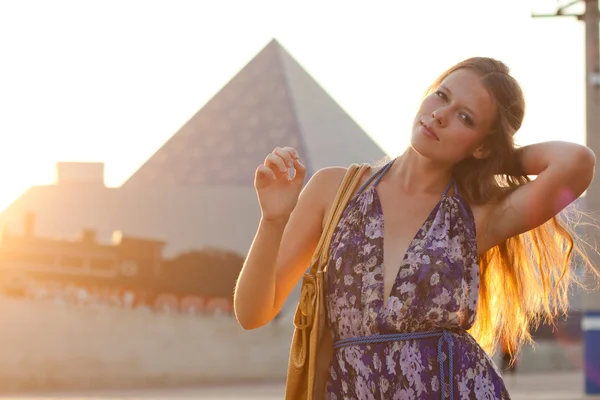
(467, 81)
(466, 87)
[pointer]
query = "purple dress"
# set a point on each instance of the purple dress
(436, 289)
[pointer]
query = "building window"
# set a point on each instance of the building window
(72, 262)
(38, 259)
(102, 265)
(129, 268)
(41, 259)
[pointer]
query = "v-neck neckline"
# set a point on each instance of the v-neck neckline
(411, 244)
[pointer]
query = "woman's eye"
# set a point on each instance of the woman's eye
(441, 95)
(466, 119)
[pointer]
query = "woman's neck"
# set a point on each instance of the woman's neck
(416, 174)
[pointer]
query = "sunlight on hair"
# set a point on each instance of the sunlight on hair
(527, 279)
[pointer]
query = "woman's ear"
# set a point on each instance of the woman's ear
(482, 152)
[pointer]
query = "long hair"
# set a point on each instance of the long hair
(526, 279)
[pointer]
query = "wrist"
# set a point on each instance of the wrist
(278, 223)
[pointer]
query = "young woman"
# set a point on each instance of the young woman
(443, 252)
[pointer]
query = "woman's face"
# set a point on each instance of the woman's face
(453, 121)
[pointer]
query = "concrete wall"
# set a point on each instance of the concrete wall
(549, 356)
(45, 345)
(52, 346)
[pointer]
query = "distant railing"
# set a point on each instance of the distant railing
(61, 293)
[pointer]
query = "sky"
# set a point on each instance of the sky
(111, 81)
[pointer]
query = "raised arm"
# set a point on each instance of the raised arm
(564, 171)
(287, 235)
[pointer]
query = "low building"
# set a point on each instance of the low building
(197, 190)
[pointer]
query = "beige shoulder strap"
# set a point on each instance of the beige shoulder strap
(345, 192)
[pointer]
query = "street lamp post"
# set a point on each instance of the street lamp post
(590, 323)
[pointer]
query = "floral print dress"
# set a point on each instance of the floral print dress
(436, 288)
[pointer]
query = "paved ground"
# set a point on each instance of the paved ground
(522, 387)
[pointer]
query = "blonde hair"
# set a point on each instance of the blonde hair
(526, 279)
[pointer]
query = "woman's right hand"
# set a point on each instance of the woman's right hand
(278, 192)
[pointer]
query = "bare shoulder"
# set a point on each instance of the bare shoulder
(329, 175)
(325, 183)
(330, 178)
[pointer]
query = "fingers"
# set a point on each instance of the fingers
(289, 154)
(264, 174)
(300, 173)
(276, 163)
(277, 166)
(281, 160)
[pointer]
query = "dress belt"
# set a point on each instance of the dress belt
(444, 336)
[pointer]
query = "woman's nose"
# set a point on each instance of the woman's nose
(438, 117)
